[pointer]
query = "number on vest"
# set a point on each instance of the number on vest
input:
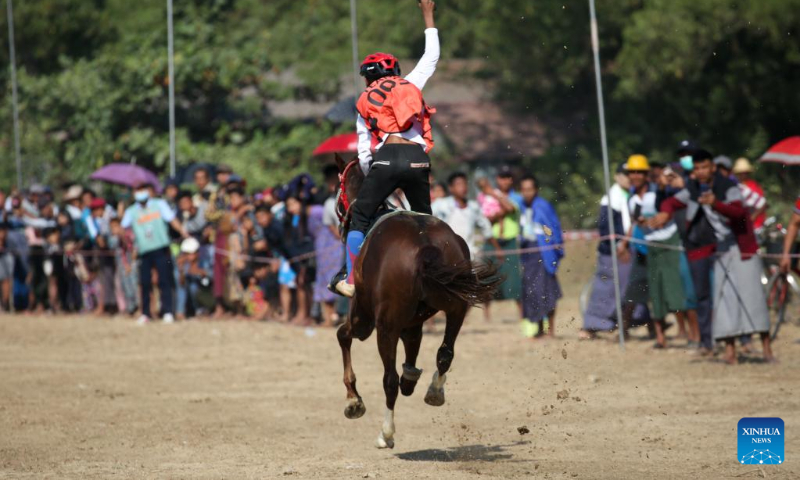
(383, 88)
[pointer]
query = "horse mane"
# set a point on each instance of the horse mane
(355, 178)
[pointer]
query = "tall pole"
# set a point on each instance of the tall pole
(171, 67)
(606, 171)
(354, 32)
(14, 102)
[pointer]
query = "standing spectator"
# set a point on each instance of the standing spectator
(72, 202)
(540, 228)
(202, 182)
(171, 191)
(724, 166)
(218, 200)
(233, 261)
(666, 189)
(224, 172)
(656, 169)
(601, 312)
(3, 198)
(438, 190)
(464, 216)
(329, 258)
(505, 228)
(752, 193)
(324, 227)
(740, 305)
(298, 243)
(121, 242)
(664, 285)
(192, 215)
(148, 218)
(6, 269)
(53, 266)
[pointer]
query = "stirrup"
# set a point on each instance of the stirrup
(340, 275)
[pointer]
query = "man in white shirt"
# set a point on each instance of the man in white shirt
(464, 216)
(392, 111)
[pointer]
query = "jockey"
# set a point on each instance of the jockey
(392, 110)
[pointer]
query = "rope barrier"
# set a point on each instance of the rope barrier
(578, 236)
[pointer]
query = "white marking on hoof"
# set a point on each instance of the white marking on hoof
(355, 408)
(435, 395)
(410, 373)
(386, 437)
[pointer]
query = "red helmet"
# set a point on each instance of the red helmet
(378, 65)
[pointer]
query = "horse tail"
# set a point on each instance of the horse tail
(473, 283)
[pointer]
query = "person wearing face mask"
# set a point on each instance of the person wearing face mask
(148, 217)
(685, 151)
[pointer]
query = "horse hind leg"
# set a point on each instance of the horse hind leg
(387, 346)
(444, 357)
(412, 338)
(355, 406)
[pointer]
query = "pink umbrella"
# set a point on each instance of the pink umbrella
(126, 174)
(787, 152)
(344, 143)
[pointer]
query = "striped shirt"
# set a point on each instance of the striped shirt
(753, 196)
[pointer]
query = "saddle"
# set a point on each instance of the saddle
(385, 211)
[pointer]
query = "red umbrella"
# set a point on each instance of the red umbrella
(344, 143)
(787, 152)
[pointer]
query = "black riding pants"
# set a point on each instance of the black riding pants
(394, 166)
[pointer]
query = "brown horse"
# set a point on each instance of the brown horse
(410, 267)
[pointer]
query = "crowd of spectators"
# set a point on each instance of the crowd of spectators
(207, 249)
(214, 249)
(688, 248)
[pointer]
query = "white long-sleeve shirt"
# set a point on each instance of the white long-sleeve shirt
(463, 220)
(419, 77)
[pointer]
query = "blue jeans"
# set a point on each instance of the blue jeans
(186, 294)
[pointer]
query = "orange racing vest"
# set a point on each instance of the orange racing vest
(390, 104)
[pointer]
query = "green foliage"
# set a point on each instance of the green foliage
(93, 80)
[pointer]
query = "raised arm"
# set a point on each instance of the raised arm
(364, 144)
(427, 64)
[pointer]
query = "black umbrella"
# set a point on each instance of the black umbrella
(344, 111)
(186, 174)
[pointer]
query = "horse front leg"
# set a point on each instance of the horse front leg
(444, 357)
(387, 346)
(355, 406)
(412, 338)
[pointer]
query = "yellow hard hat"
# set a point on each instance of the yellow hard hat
(637, 163)
(742, 165)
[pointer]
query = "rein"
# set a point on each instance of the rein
(342, 195)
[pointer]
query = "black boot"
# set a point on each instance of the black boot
(340, 275)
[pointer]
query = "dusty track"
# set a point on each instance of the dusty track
(94, 398)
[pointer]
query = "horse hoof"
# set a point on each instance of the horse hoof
(407, 387)
(382, 442)
(435, 397)
(355, 409)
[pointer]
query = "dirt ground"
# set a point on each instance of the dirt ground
(84, 397)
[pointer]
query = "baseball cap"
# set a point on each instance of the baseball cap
(723, 161)
(190, 245)
(687, 146)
